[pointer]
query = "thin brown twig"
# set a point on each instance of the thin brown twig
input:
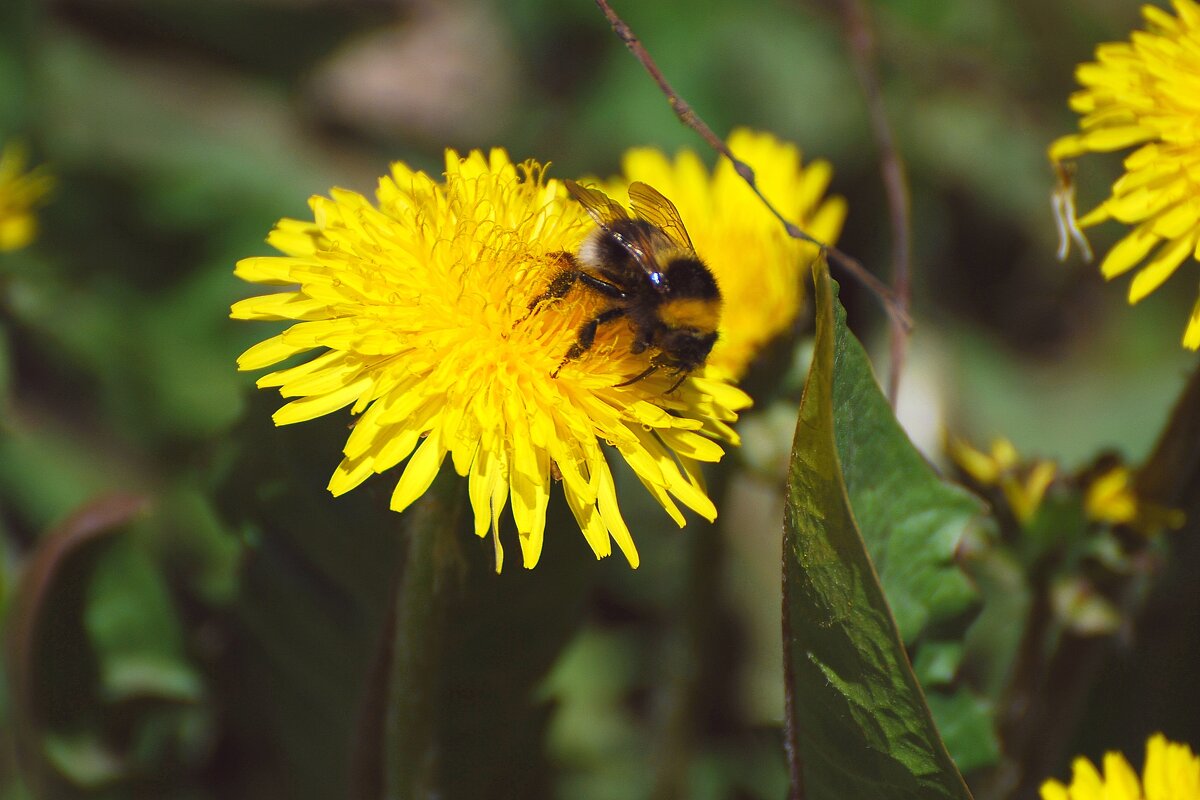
(860, 39)
(896, 310)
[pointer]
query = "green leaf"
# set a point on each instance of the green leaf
(965, 721)
(910, 520)
(937, 662)
(858, 724)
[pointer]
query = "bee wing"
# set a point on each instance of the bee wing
(597, 204)
(650, 204)
(605, 212)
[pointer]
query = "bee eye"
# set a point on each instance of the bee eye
(658, 279)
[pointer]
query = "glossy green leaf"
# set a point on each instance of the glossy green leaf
(858, 724)
(910, 520)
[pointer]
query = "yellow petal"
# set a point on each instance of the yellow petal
(479, 490)
(1191, 337)
(1121, 779)
(266, 269)
(1129, 252)
(591, 523)
(1106, 139)
(816, 179)
(336, 375)
(1053, 790)
(610, 512)
(397, 447)
(282, 305)
(308, 408)
(496, 503)
(268, 352)
(17, 231)
(1176, 221)
(1085, 779)
(1161, 266)
(530, 497)
(283, 376)
(348, 475)
(419, 473)
(295, 237)
(692, 445)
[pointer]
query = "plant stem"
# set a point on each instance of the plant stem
(860, 38)
(423, 588)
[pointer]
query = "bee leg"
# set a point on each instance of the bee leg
(561, 284)
(587, 336)
(683, 374)
(646, 373)
(603, 287)
(641, 344)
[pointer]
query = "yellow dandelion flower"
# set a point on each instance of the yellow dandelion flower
(1172, 772)
(21, 192)
(1145, 93)
(1111, 497)
(761, 271)
(418, 307)
(1024, 485)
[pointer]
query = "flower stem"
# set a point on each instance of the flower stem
(701, 667)
(423, 589)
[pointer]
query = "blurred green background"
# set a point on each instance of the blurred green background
(218, 641)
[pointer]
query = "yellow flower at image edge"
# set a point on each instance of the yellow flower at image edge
(760, 270)
(1144, 92)
(20, 193)
(419, 310)
(1172, 772)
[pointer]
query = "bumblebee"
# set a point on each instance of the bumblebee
(647, 267)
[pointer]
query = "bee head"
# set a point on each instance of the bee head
(686, 349)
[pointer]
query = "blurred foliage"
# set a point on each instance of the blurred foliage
(228, 639)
